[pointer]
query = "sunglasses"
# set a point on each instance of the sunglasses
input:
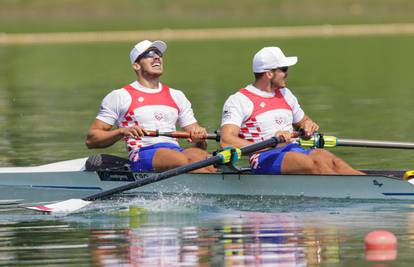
(283, 69)
(149, 54)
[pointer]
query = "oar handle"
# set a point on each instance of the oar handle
(210, 136)
(179, 134)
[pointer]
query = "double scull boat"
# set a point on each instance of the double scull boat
(79, 177)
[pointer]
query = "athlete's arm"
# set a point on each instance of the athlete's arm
(229, 136)
(101, 135)
(308, 126)
(197, 135)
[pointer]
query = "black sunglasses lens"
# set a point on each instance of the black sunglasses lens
(155, 52)
(151, 53)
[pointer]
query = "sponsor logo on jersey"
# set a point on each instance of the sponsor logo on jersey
(226, 114)
(159, 116)
(279, 120)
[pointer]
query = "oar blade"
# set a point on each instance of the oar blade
(63, 207)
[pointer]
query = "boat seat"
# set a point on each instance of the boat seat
(106, 162)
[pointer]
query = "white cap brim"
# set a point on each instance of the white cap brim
(290, 61)
(160, 45)
(287, 62)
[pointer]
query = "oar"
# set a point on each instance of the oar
(223, 157)
(322, 141)
(179, 134)
(319, 140)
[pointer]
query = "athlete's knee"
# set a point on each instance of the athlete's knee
(179, 159)
(319, 163)
(323, 156)
(298, 163)
(321, 153)
(195, 154)
(308, 165)
(195, 150)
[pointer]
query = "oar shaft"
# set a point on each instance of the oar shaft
(374, 143)
(180, 170)
(259, 146)
(178, 134)
(325, 141)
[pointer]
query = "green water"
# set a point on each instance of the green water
(353, 87)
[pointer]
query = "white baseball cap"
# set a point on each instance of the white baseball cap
(143, 46)
(269, 58)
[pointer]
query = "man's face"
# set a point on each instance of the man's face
(279, 76)
(151, 62)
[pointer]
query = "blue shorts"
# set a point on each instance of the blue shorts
(270, 161)
(146, 154)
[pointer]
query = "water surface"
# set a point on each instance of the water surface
(207, 231)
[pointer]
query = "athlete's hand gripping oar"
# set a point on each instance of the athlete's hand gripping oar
(178, 134)
(321, 141)
(222, 157)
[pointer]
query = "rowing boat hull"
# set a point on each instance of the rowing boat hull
(33, 184)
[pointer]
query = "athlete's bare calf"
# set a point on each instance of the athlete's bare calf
(319, 161)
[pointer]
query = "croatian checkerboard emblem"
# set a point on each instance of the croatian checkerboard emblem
(158, 116)
(279, 120)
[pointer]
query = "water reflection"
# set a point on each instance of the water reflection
(148, 247)
(41, 243)
(251, 239)
(263, 240)
(254, 240)
(203, 238)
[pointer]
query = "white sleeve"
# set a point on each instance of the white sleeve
(297, 111)
(186, 115)
(236, 109)
(114, 106)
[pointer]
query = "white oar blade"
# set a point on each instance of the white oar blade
(66, 206)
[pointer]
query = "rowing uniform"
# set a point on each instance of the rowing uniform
(153, 109)
(260, 115)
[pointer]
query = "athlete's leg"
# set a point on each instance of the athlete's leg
(321, 156)
(196, 154)
(165, 159)
(298, 163)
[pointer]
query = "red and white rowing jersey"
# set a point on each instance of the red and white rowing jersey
(261, 114)
(153, 109)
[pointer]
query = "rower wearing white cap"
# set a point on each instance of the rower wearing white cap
(267, 108)
(146, 104)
